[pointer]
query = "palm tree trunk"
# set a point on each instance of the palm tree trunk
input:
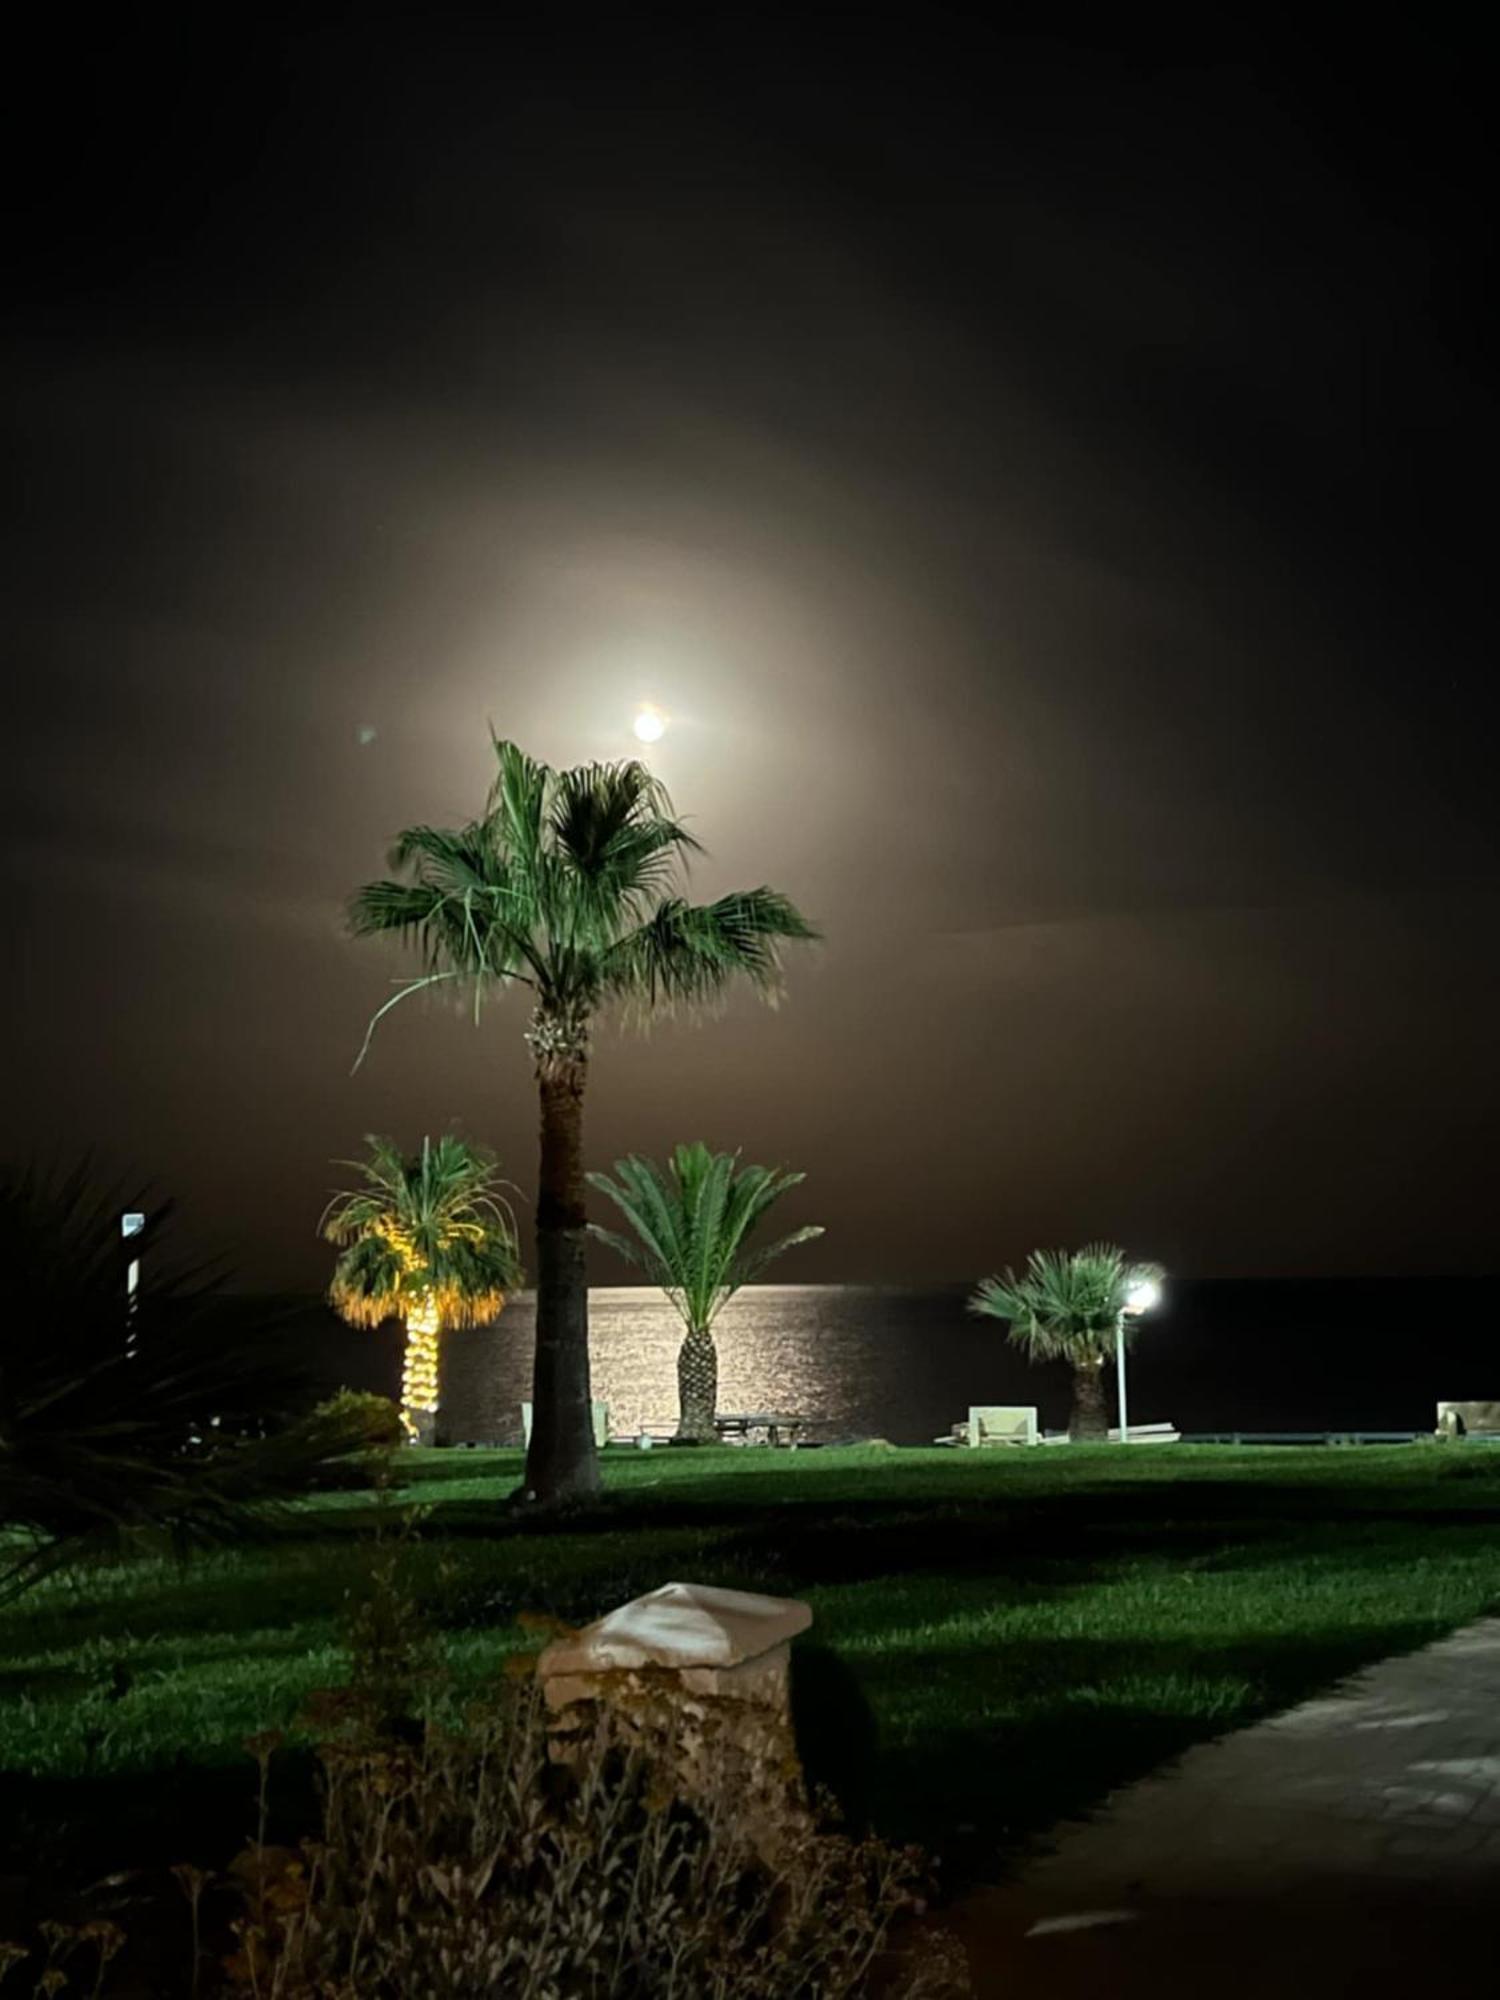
(1088, 1422)
(561, 1463)
(419, 1374)
(697, 1386)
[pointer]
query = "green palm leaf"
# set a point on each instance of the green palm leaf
(688, 954)
(430, 1227)
(690, 1222)
(1066, 1305)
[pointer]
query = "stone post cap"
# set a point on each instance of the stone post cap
(680, 1625)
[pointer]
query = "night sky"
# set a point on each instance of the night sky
(1045, 481)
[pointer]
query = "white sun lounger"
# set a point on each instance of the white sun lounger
(601, 1424)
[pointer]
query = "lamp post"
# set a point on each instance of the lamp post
(131, 1225)
(1142, 1296)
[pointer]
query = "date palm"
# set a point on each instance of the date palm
(568, 885)
(691, 1222)
(1068, 1305)
(427, 1240)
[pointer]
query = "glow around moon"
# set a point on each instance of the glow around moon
(650, 723)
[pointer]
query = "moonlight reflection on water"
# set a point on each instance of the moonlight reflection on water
(870, 1361)
(864, 1361)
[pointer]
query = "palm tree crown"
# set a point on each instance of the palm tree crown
(1072, 1306)
(1066, 1305)
(691, 1221)
(427, 1233)
(568, 885)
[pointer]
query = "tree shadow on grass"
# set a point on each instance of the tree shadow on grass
(838, 1738)
(1008, 1546)
(1021, 1516)
(188, 1602)
(976, 1770)
(1010, 1556)
(979, 1813)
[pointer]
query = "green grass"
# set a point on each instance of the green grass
(998, 1639)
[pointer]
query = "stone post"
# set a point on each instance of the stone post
(699, 1679)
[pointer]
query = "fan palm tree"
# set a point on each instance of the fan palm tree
(427, 1240)
(1068, 1305)
(568, 886)
(691, 1223)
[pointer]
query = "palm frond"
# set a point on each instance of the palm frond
(687, 954)
(431, 1229)
(616, 849)
(691, 1221)
(1066, 1304)
(760, 1260)
(627, 1247)
(518, 806)
(466, 925)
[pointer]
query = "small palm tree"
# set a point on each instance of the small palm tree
(568, 885)
(427, 1240)
(1069, 1305)
(691, 1221)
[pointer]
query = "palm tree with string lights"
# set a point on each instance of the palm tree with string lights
(427, 1239)
(1073, 1306)
(569, 885)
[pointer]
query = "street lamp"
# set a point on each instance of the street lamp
(131, 1225)
(1142, 1295)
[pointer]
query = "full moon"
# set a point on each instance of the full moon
(650, 724)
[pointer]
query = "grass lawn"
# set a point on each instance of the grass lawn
(999, 1639)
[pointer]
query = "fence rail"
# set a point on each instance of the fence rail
(1303, 1437)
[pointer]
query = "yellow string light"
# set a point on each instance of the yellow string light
(419, 1380)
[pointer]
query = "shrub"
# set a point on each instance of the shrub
(463, 1863)
(361, 1414)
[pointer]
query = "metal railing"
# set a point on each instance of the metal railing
(1303, 1437)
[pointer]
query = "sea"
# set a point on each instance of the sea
(863, 1361)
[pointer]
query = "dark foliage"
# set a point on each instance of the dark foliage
(171, 1416)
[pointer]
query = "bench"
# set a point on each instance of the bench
(994, 1424)
(775, 1428)
(1468, 1419)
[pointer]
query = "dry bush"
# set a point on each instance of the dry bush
(466, 1863)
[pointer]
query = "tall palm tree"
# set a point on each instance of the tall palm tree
(427, 1240)
(568, 885)
(1068, 1305)
(691, 1221)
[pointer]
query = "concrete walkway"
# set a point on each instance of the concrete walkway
(1351, 1845)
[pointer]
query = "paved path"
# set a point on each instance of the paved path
(1351, 1845)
